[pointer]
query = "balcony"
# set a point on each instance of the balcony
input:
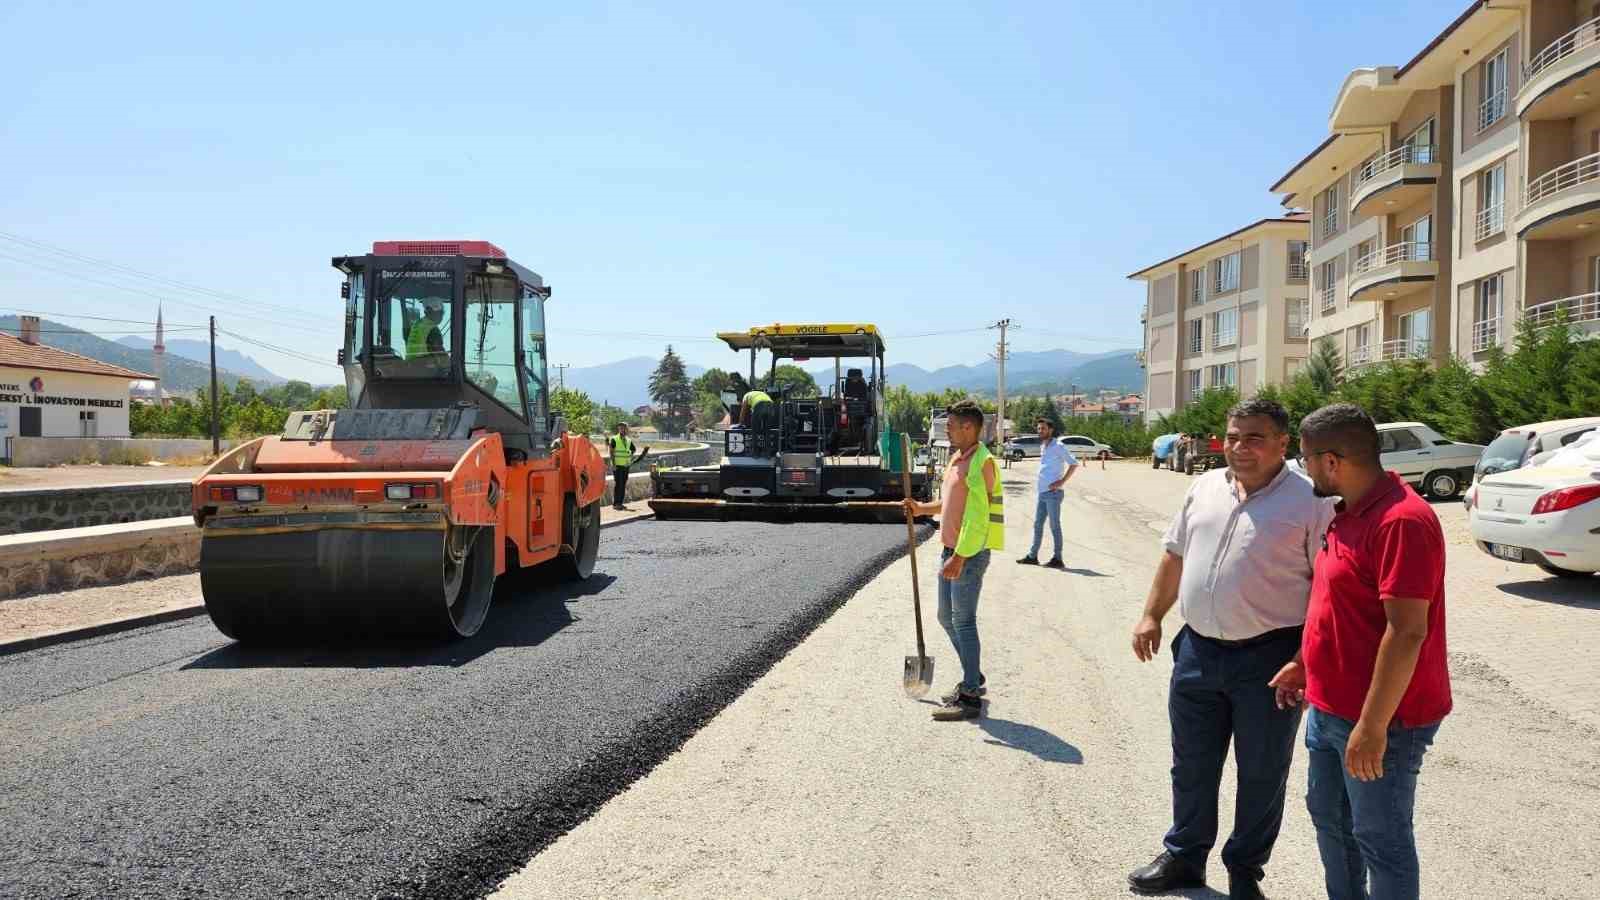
(1393, 271)
(1396, 179)
(1562, 81)
(1360, 356)
(1491, 110)
(1491, 220)
(1582, 313)
(1330, 300)
(1298, 270)
(1560, 204)
(1403, 349)
(1224, 339)
(1485, 334)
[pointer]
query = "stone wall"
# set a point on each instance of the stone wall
(103, 554)
(47, 509)
(58, 451)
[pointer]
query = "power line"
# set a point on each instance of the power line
(58, 315)
(305, 357)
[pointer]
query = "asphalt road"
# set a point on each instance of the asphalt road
(169, 762)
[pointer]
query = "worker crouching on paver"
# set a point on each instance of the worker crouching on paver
(1375, 668)
(1238, 561)
(971, 525)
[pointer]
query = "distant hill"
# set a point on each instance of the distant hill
(1027, 372)
(624, 383)
(1120, 372)
(200, 352)
(184, 376)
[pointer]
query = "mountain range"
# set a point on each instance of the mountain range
(200, 352)
(183, 376)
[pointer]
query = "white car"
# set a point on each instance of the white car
(1545, 515)
(1085, 448)
(1516, 447)
(1437, 466)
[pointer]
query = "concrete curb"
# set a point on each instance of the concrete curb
(100, 629)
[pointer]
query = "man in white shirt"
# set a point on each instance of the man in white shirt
(1056, 465)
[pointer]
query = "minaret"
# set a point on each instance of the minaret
(158, 359)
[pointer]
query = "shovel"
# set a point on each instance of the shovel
(918, 677)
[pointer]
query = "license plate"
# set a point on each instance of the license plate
(1504, 552)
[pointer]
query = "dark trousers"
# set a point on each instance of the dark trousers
(619, 492)
(1220, 694)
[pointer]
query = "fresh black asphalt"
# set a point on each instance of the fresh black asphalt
(169, 762)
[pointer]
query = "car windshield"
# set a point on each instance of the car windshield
(1503, 454)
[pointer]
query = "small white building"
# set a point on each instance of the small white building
(47, 392)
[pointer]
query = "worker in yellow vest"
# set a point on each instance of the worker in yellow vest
(624, 453)
(425, 338)
(972, 523)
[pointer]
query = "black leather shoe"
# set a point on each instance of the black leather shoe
(1244, 887)
(1166, 873)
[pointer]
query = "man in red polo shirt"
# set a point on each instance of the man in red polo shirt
(1373, 665)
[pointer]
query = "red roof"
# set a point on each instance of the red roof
(18, 355)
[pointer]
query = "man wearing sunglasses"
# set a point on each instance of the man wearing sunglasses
(1238, 563)
(1373, 664)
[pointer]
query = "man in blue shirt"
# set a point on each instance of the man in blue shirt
(1056, 465)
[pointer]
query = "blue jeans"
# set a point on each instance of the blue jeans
(1048, 507)
(958, 613)
(1219, 695)
(1364, 827)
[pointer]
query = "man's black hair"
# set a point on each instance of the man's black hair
(967, 411)
(1267, 409)
(1344, 428)
(1055, 430)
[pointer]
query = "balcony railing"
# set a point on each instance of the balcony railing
(1485, 334)
(1403, 349)
(1491, 221)
(1565, 177)
(1360, 356)
(1492, 109)
(1405, 251)
(1579, 310)
(1585, 35)
(1298, 271)
(1405, 154)
(1224, 339)
(1330, 299)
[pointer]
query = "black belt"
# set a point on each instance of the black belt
(1263, 638)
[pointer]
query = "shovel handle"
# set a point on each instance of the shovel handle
(911, 539)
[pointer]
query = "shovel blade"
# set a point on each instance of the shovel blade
(918, 679)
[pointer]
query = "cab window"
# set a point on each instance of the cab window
(534, 361)
(491, 338)
(411, 328)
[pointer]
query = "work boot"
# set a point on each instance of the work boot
(1244, 886)
(1164, 874)
(967, 706)
(955, 692)
(1056, 563)
(1029, 560)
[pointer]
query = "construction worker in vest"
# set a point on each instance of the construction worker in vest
(623, 454)
(971, 525)
(425, 338)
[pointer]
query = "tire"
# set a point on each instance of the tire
(1155, 463)
(1441, 485)
(582, 525)
(1559, 572)
(1188, 466)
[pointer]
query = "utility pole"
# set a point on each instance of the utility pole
(1000, 405)
(561, 375)
(216, 431)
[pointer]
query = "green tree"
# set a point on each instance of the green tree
(796, 380)
(1324, 366)
(576, 406)
(674, 396)
(336, 397)
(713, 381)
(1206, 414)
(906, 410)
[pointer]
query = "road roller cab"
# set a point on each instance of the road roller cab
(398, 514)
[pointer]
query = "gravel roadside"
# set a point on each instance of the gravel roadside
(822, 780)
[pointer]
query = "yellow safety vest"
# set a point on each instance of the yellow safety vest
(621, 451)
(756, 397)
(983, 521)
(417, 340)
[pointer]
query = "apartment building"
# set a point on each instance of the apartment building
(1230, 312)
(1460, 192)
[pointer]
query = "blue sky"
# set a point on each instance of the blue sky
(671, 168)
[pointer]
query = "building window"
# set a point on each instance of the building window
(1362, 258)
(1225, 376)
(1297, 318)
(1224, 328)
(1416, 240)
(1361, 351)
(1297, 261)
(1327, 278)
(88, 424)
(1225, 274)
(1330, 211)
(1419, 146)
(1416, 336)
(1491, 202)
(1492, 82)
(1194, 383)
(1486, 321)
(1196, 339)
(1197, 288)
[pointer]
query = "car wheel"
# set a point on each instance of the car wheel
(1564, 573)
(1442, 485)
